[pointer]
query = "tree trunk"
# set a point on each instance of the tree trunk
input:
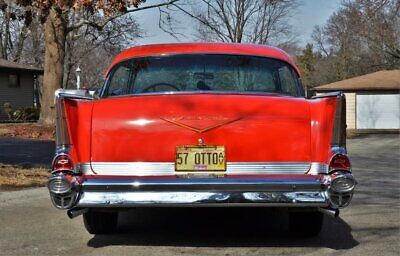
(6, 34)
(55, 35)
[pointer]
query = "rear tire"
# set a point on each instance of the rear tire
(97, 222)
(306, 224)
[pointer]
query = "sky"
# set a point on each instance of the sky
(308, 14)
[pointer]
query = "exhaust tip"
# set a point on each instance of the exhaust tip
(75, 212)
(331, 212)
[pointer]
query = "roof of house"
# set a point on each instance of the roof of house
(203, 48)
(377, 81)
(9, 65)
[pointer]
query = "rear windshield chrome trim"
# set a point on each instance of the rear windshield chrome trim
(171, 54)
(199, 92)
(168, 168)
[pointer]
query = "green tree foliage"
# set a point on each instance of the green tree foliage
(306, 62)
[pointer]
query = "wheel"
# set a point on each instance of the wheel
(307, 223)
(97, 222)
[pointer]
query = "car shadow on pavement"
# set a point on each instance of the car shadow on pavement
(219, 227)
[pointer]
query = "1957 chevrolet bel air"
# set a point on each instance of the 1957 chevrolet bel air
(201, 124)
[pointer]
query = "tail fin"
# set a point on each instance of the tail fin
(73, 123)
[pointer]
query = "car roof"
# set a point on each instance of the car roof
(203, 48)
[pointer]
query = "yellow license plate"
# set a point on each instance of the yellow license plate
(200, 158)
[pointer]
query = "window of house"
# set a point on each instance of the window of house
(13, 81)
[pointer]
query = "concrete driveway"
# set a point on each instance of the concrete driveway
(29, 225)
(26, 152)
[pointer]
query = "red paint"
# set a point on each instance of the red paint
(253, 128)
(322, 115)
(203, 48)
(265, 130)
(268, 129)
(79, 118)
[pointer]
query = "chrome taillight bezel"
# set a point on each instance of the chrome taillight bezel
(340, 198)
(64, 190)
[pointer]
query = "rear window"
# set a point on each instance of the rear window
(202, 72)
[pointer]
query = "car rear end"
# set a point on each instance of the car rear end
(201, 149)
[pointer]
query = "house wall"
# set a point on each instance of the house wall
(17, 97)
(350, 110)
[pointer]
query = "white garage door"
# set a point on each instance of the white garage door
(378, 111)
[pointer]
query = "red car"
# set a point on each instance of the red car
(201, 124)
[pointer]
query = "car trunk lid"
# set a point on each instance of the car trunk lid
(253, 128)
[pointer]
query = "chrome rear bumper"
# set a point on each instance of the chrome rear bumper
(304, 190)
(206, 199)
(300, 190)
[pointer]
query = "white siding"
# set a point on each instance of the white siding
(351, 110)
(378, 111)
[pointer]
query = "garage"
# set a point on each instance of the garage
(378, 111)
(372, 101)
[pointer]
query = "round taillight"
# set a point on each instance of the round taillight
(343, 183)
(59, 185)
(339, 162)
(63, 163)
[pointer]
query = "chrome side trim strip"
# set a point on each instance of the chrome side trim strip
(327, 94)
(168, 168)
(198, 199)
(318, 168)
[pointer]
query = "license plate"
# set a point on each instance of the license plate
(200, 158)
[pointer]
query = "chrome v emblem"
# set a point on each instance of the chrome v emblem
(200, 124)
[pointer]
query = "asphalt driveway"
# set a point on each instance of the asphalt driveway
(29, 225)
(26, 152)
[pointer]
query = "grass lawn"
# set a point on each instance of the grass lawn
(27, 130)
(15, 177)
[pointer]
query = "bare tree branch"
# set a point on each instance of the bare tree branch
(251, 21)
(104, 22)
